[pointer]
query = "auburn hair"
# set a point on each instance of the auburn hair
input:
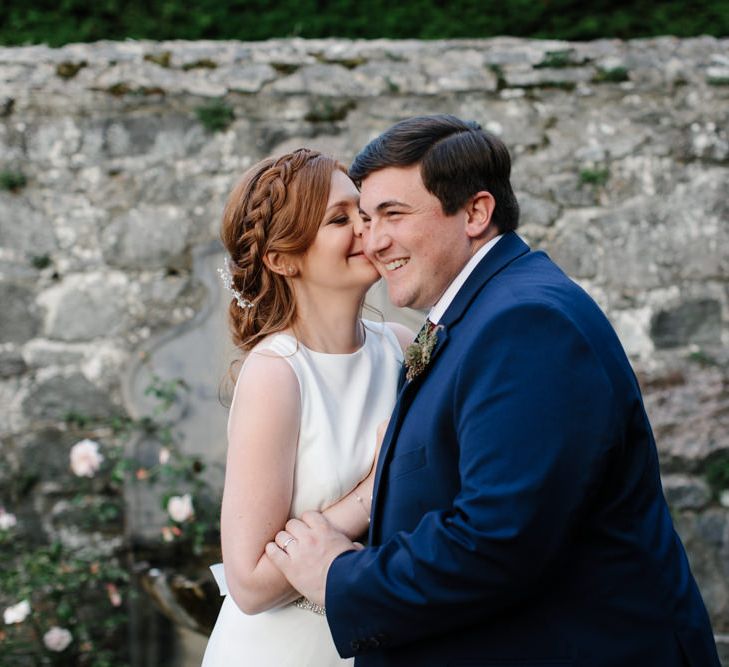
(277, 206)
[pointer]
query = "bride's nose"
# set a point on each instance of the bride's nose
(358, 227)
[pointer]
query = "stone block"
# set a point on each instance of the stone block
(43, 455)
(41, 352)
(459, 71)
(706, 538)
(325, 80)
(54, 141)
(525, 76)
(87, 306)
(685, 492)
(575, 245)
(632, 326)
(688, 407)
(19, 321)
(11, 363)
(24, 229)
(696, 321)
(58, 396)
(147, 237)
(248, 78)
(536, 210)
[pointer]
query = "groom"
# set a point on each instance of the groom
(518, 516)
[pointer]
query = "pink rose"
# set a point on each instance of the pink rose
(7, 520)
(180, 508)
(85, 458)
(16, 613)
(57, 639)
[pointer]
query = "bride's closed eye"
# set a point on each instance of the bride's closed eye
(339, 220)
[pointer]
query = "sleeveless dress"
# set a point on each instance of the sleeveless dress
(343, 399)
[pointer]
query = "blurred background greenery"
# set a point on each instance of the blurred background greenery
(57, 22)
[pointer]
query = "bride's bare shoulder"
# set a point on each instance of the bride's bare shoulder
(266, 381)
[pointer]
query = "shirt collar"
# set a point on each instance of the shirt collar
(438, 310)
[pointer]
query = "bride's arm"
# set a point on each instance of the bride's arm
(351, 514)
(264, 426)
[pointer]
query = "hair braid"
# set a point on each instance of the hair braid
(277, 207)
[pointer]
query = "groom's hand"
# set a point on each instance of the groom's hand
(305, 550)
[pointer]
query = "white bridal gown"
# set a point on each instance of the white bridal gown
(343, 399)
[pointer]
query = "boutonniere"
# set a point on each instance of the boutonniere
(417, 354)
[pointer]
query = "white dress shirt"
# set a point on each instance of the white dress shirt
(437, 311)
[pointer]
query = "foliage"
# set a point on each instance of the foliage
(614, 75)
(717, 473)
(594, 176)
(75, 574)
(79, 21)
(558, 59)
(67, 588)
(215, 116)
(40, 261)
(14, 181)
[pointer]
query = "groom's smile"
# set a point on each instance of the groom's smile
(396, 264)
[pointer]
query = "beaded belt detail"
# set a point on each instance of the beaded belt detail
(308, 605)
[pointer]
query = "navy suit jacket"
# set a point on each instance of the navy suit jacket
(518, 515)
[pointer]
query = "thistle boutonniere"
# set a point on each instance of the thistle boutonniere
(417, 354)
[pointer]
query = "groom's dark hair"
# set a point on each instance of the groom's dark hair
(457, 159)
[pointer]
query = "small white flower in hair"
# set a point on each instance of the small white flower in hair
(227, 277)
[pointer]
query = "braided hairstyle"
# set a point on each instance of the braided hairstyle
(277, 207)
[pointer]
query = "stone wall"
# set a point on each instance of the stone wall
(621, 165)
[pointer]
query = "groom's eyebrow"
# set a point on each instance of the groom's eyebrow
(390, 203)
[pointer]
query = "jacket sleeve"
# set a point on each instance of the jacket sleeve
(534, 414)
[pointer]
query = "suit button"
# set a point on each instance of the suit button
(355, 645)
(374, 643)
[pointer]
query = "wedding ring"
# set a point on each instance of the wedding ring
(287, 542)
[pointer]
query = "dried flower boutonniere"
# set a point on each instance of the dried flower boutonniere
(417, 354)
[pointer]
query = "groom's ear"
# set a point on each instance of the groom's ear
(479, 210)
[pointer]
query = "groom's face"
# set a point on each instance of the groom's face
(416, 247)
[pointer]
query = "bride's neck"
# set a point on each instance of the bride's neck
(329, 325)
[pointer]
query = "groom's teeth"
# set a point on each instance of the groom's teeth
(391, 266)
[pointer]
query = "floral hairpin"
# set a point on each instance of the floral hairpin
(227, 277)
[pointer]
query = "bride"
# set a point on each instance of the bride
(315, 385)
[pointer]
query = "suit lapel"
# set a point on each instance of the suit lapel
(509, 248)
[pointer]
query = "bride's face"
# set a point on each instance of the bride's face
(336, 258)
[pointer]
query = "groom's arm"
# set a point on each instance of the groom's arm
(533, 413)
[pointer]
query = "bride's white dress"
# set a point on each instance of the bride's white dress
(343, 399)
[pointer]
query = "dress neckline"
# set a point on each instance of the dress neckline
(332, 355)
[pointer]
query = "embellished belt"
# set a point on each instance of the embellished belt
(308, 605)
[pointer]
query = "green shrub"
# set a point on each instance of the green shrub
(613, 75)
(594, 176)
(215, 116)
(80, 21)
(12, 181)
(717, 473)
